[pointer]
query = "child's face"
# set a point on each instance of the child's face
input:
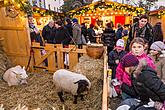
(153, 52)
(137, 49)
(130, 70)
(118, 49)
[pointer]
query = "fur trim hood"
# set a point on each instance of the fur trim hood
(142, 64)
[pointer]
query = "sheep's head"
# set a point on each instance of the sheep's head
(83, 85)
(20, 74)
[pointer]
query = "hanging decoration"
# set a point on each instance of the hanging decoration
(11, 11)
(23, 5)
(19, 5)
(107, 6)
(160, 13)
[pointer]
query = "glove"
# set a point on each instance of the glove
(150, 104)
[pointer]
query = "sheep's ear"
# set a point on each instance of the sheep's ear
(76, 82)
(23, 68)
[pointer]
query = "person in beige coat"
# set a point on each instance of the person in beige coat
(76, 31)
(158, 55)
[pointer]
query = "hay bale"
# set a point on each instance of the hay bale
(5, 63)
(91, 68)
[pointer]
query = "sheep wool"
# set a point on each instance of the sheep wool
(64, 81)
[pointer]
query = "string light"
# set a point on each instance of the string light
(107, 6)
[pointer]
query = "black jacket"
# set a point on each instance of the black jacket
(69, 28)
(62, 36)
(149, 85)
(112, 56)
(48, 34)
(109, 37)
(146, 85)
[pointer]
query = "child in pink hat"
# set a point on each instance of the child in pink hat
(137, 48)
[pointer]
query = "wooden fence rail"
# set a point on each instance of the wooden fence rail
(51, 56)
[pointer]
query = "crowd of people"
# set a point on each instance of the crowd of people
(139, 67)
(59, 32)
(136, 56)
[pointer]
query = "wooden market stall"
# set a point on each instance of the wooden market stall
(158, 16)
(14, 29)
(14, 32)
(43, 16)
(105, 12)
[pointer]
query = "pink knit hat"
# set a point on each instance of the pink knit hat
(129, 60)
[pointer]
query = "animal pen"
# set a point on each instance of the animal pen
(57, 62)
(15, 39)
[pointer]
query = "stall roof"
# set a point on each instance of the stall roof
(41, 11)
(156, 11)
(106, 5)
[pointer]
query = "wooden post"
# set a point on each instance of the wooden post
(105, 85)
(73, 57)
(60, 56)
(51, 58)
(37, 53)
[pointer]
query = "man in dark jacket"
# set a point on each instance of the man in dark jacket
(48, 32)
(69, 27)
(141, 29)
(62, 35)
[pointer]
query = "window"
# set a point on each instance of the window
(49, 6)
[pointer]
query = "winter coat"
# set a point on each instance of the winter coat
(84, 32)
(91, 35)
(62, 36)
(108, 37)
(35, 35)
(148, 85)
(124, 77)
(48, 34)
(69, 28)
(76, 33)
(146, 33)
(160, 66)
(112, 57)
(119, 33)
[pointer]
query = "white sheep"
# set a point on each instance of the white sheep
(15, 76)
(70, 82)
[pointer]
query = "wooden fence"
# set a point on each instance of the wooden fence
(51, 56)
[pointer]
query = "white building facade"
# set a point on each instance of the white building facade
(54, 5)
(38, 3)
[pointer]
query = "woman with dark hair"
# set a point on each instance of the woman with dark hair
(62, 35)
(157, 32)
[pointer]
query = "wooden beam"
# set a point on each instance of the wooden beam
(105, 85)
(11, 28)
